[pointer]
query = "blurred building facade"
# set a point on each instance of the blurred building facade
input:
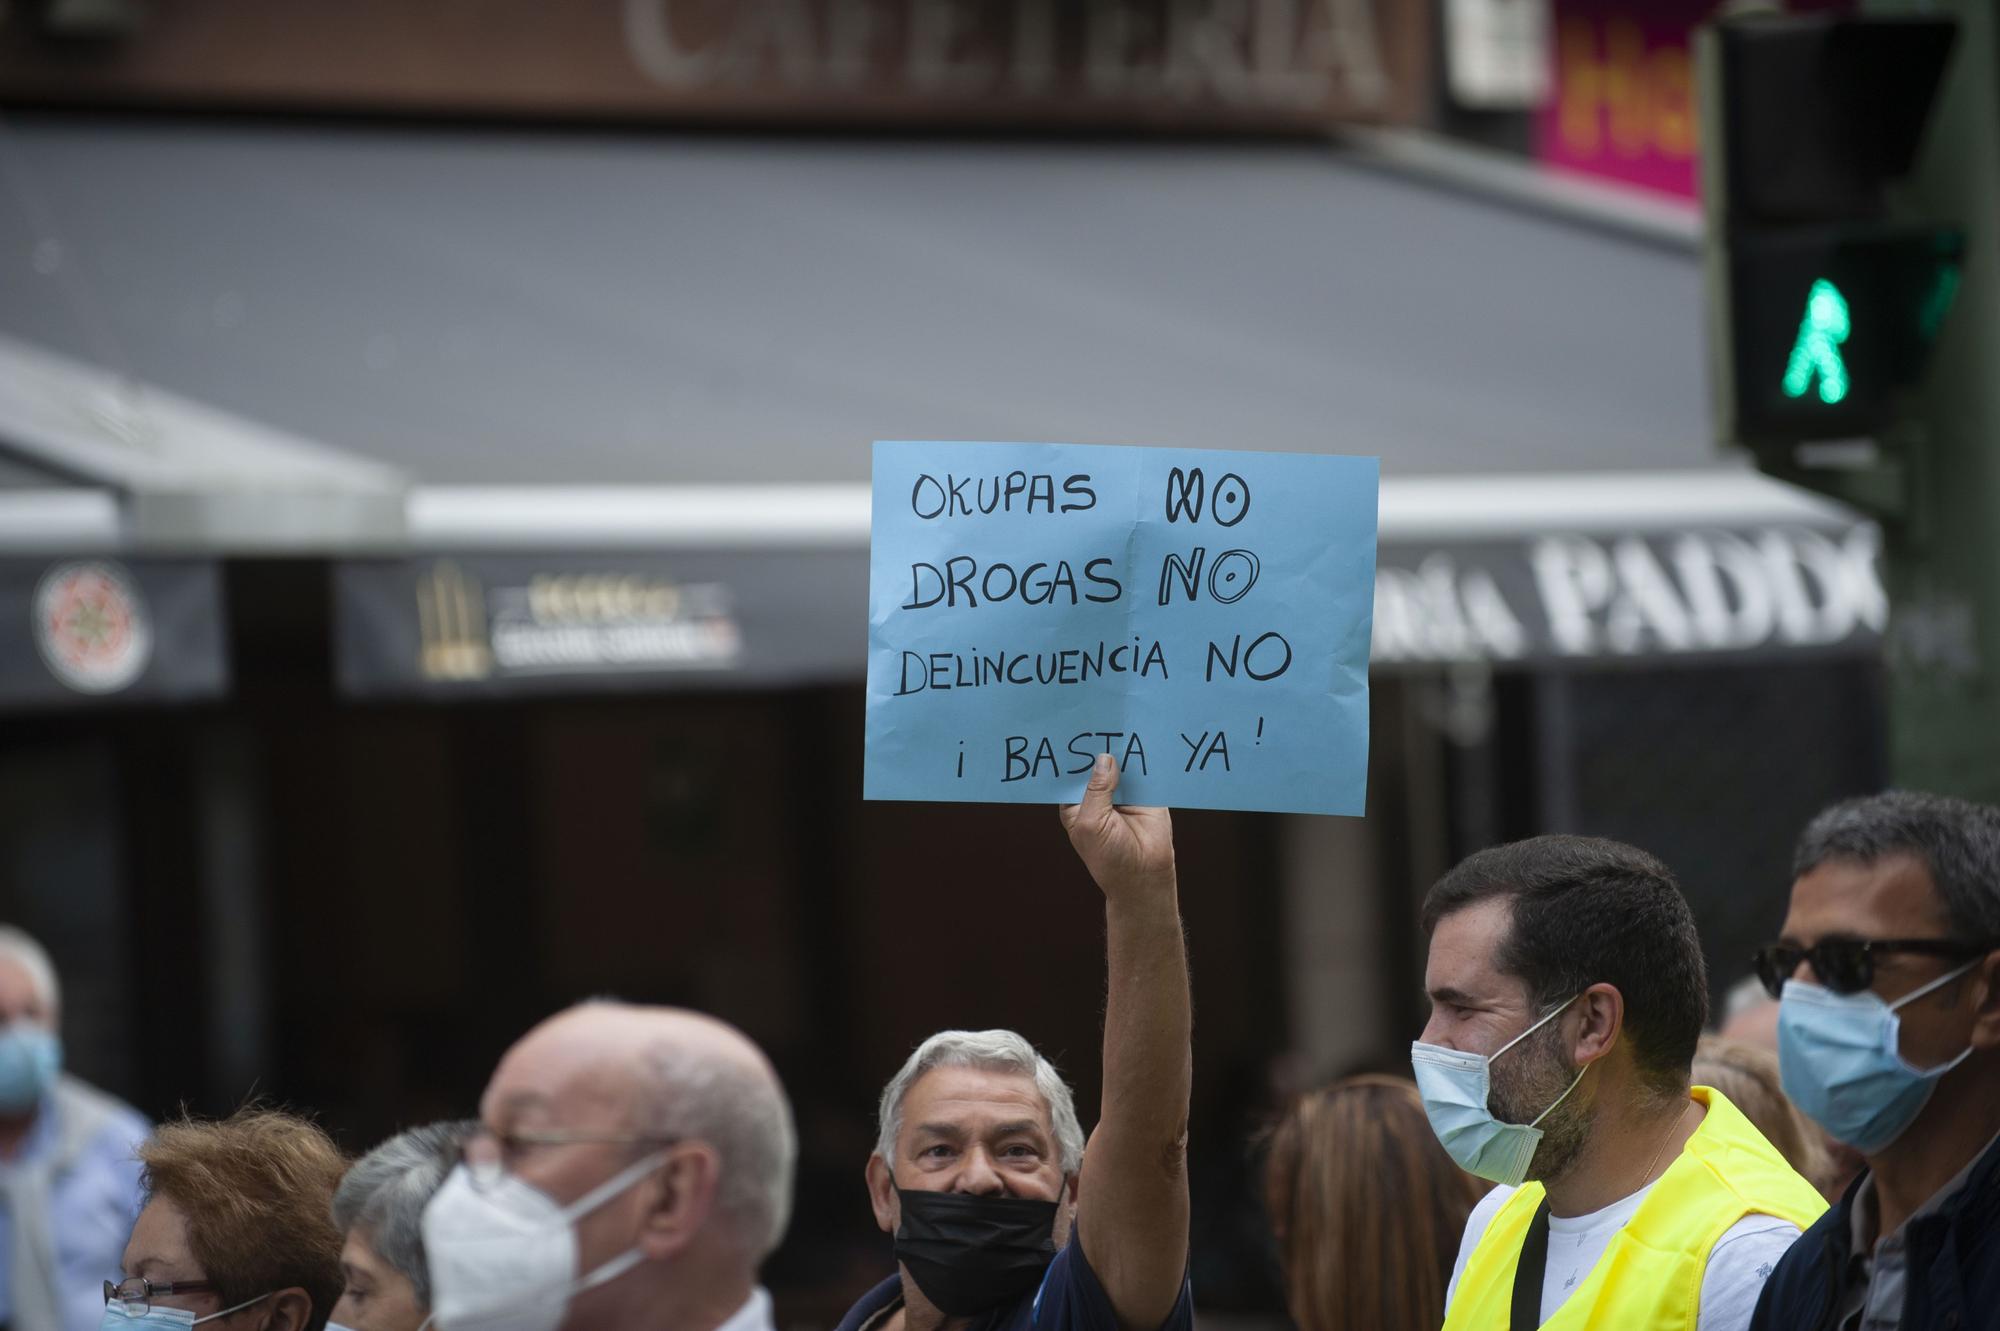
(433, 525)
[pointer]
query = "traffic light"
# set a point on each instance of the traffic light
(1824, 303)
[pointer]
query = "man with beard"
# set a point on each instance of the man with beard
(1567, 993)
(1000, 1215)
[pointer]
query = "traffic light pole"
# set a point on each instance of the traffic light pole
(1942, 551)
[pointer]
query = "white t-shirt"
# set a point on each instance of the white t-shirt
(1738, 1265)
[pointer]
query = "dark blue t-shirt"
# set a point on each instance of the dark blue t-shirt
(1068, 1299)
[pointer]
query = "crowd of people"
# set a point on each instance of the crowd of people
(1572, 1149)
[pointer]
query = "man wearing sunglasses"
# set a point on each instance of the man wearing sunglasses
(1888, 971)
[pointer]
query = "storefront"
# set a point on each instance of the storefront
(452, 602)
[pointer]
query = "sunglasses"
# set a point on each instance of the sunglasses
(1847, 965)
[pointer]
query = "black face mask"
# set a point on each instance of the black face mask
(970, 1254)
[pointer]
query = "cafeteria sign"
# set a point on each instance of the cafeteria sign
(1202, 616)
(1143, 64)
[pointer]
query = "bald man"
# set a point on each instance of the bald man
(633, 1169)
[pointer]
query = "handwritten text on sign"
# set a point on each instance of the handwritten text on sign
(1203, 616)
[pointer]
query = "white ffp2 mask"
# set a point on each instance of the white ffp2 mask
(505, 1258)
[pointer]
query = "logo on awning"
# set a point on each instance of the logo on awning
(451, 625)
(563, 623)
(91, 626)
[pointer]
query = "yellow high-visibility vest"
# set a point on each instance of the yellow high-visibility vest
(1650, 1273)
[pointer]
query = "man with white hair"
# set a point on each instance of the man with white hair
(980, 1173)
(69, 1175)
(633, 1168)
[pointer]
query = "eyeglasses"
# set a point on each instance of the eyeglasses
(138, 1293)
(1847, 965)
(490, 1155)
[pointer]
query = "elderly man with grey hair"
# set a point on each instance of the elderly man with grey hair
(69, 1175)
(999, 1213)
(632, 1169)
(379, 1210)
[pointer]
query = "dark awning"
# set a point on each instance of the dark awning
(483, 307)
(660, 360)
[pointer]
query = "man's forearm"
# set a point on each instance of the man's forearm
(1148, 1019)
(1132, 1201)
(1134, 1218)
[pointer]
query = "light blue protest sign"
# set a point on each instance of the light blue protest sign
(1201, 615)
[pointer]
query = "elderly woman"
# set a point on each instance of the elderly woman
(380, 1209)
(234, 1230)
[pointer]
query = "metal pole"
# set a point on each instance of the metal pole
(1942, 562)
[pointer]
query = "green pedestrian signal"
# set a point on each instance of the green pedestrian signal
(1827, 293)
(1816, 354)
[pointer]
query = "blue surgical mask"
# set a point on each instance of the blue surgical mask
(30, 1058)
(1454, 1086)
(162, 1319)
(1841, 1061)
